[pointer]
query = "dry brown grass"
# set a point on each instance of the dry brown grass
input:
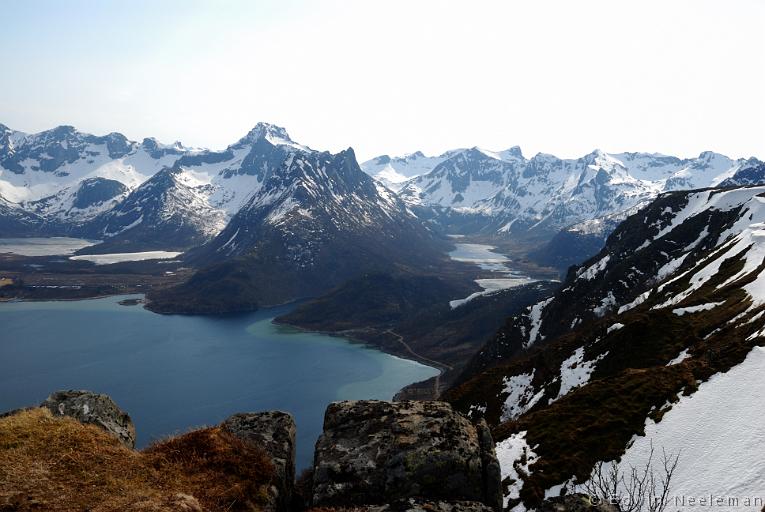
(58, 464)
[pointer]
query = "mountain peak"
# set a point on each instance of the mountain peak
(64, 129)
(268, 132)
(514, 151)
(708, 155)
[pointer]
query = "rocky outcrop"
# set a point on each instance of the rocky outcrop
(274, 432)
(374, 452)
(95, 409)
(375, 456)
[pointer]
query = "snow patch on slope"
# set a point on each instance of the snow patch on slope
(718, 426)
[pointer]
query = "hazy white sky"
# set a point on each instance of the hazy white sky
(562, 77)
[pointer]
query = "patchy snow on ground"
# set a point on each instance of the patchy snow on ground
(509, 452)
(592, 271)
(575, 372)
(719, 434)
(108, 259)
(614, 327)
(696, 309)
(535, 315)
(520, 395)
(682, 356)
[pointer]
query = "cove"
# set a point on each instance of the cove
(173, 373)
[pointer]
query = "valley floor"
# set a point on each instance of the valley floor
(57, 278)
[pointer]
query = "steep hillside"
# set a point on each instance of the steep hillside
(14, 221)
(675, 298)
(164, 212)
(581, 241)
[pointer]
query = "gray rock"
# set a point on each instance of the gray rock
(95, 409)
(375, 452)
(274, 431)
(492, 472)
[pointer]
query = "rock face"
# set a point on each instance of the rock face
(93, 408)
(274, 431)
(374, 452)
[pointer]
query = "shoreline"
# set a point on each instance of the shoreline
(405, 355)
(441, 367)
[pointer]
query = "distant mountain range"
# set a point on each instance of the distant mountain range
(307, 219)
(140, 195)
(475, 190)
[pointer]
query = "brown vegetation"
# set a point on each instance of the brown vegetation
(58, 464)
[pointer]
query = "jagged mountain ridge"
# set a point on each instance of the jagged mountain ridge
(502, 192)
(73, 183)
(311, 221)
(67, 177)
(676, 297)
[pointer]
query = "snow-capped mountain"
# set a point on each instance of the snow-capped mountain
(15, 221)
(149, 195)
(393, 172)
(310, 221)
(637, 336)
(475, 189)
(752, 172)
(67, 177)
(190, 202)
(165, 211)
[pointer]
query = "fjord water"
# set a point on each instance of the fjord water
(172, 373)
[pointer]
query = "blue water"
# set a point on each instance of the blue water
(171, 373)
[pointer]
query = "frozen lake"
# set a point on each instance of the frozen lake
(51, 246)
(485, 258)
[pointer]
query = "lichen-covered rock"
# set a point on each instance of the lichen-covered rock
(95, 409)
(274, 431)
(375, 452)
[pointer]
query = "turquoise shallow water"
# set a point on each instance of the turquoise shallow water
(172, 373)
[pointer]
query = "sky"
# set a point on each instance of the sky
(392, 77)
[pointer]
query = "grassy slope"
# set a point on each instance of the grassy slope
(58, 464)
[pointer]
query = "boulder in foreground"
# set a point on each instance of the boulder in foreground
(274, 433)
(95, 409)
(374, 452)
